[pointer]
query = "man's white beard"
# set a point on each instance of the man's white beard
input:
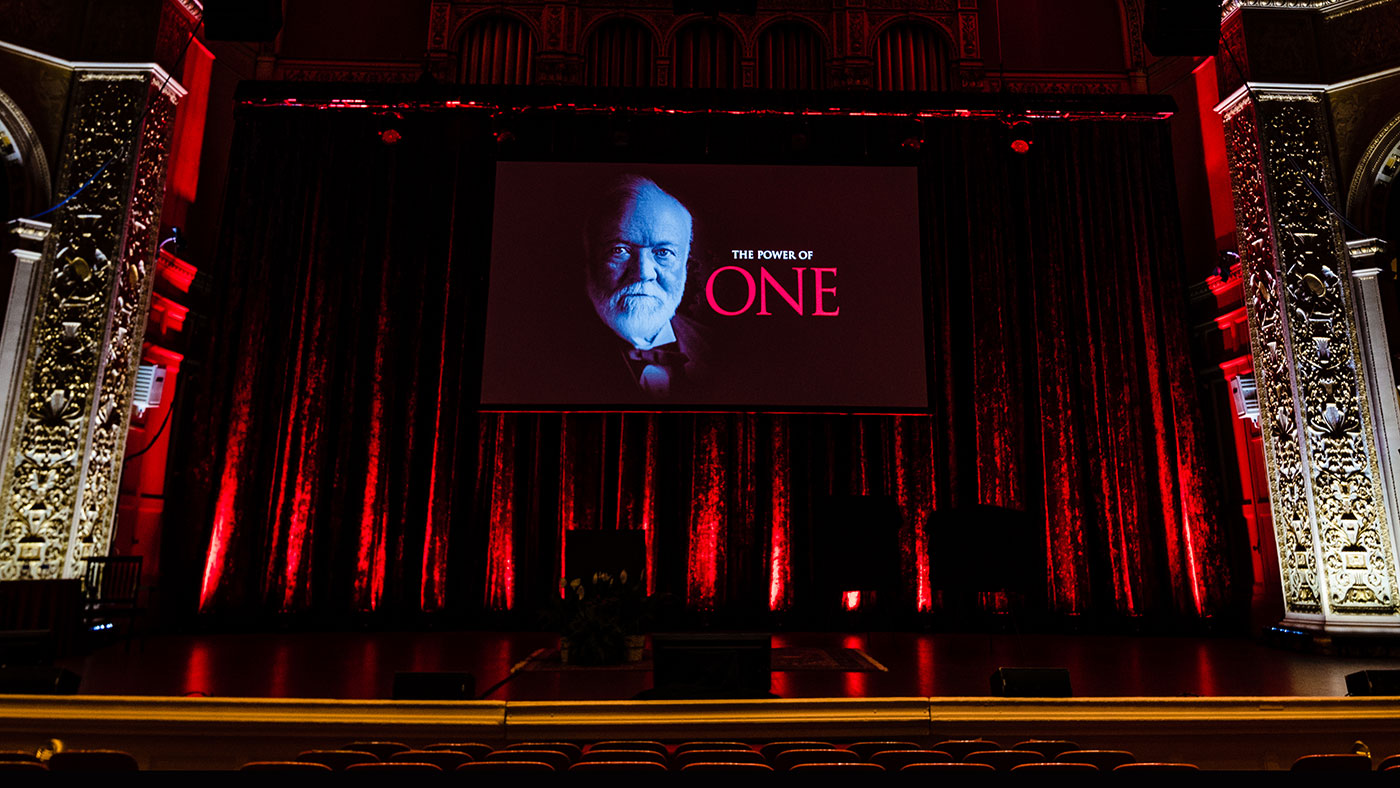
(638, 319)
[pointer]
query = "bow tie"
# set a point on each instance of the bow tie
(664, 356)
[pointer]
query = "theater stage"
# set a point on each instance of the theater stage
(223, 699)
(361, 666)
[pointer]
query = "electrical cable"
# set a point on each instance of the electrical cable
(168, 410)
(1289, 163)
(113, 158)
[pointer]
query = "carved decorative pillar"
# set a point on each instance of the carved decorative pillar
(69, 416)
(1334, 509)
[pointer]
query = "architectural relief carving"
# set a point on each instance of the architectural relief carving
(1349, 501)
(1330, 510)
(1272, 362)
(126, 324)
(73, 404)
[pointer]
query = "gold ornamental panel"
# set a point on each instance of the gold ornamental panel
(74, 402)
(1330, 517)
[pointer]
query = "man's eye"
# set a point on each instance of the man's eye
(620, 251)
(664, 254)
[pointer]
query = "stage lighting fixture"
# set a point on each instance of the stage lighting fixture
(1022, 136)
(390, 136)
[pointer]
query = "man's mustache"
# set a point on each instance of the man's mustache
(639, 289)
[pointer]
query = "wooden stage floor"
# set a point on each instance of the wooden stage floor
(218, 701)
(361, 665)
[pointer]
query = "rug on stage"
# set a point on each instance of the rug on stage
(784, 659)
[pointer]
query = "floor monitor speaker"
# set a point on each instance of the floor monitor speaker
(434, 686)
(1374, 682)
(711, 665)
(1031, 683)
(37, 680)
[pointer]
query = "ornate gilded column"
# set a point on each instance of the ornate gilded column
(69, 416)
(1334, 509)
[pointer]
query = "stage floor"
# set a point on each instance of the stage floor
(361, 665)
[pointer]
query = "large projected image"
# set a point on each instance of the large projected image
(706, 286)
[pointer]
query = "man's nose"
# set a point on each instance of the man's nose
(646, 265)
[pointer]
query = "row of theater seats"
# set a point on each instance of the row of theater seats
(958, 755)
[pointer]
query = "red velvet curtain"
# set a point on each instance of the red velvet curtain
(336, 464)
(497, 50)
(910, 56)
(706, 56)
(790, 57)
(619, 55)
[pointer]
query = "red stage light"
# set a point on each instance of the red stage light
(1021, 146)
(390, 136)
(850, 600)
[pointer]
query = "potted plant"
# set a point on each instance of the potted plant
(601, 619)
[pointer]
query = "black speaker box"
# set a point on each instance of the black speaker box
(711, 665)
(1031, 683)
(1374, 682)
(434, 686)
(1181, 27)
(36, 680)
(242, 20)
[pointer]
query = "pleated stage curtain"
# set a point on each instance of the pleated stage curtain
(619, 55)
(706, 56)
(336, 464)
(497, 50)
(910, 56)
(790, 57)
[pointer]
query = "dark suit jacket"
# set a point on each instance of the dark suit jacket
(593, 364)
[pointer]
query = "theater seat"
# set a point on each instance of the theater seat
(950, 768)
(618, 766)
(961, 748)
(505, 767)
(731, 768)
(771, 750)
(1333, 762)
(1004, 760)
(789, 759)
(865, 749)
(381, 749)
(1156, 767)
(1106, 760)
(92, 761)
(337, 759)
(394, 769)
(573, 751)
(894, 760)
(447, 760)
(1050, 748)
(681, 759)
(1053, 768)
(475, 749)
(304, 767)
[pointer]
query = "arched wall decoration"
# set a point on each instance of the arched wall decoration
(620, 51)
(790, 55)
(1130, 17)
(708, 54)
(917, 61)
(519, 72)
(1362, 205)
(669, 37)
(31, 191)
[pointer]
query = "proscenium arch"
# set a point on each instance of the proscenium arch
(1372, 203)
(29, 187)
